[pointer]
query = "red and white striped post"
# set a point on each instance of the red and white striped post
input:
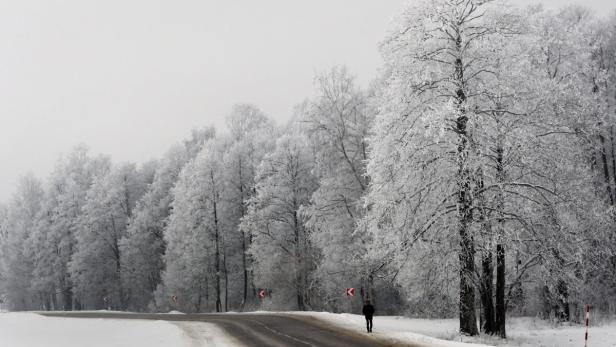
(587, 318)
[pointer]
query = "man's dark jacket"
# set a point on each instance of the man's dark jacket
(368, 310)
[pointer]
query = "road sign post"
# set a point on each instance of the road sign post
(262, 293)
(174, 301)
(350, 293)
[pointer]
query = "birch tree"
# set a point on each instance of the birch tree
(338, 123)
(17, 265)
(284, 256)
(66, 194)
(96, 266)
(252, 136)
(193, 235)
(143, 247)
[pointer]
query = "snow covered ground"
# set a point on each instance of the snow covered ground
(32, 330)
(523, 332)
(539, 333)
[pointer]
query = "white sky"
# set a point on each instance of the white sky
(129, 78)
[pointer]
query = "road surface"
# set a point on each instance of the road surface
(261, 330)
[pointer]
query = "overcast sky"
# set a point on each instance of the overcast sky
(129, 78)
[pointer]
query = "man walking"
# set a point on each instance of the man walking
(368, 312)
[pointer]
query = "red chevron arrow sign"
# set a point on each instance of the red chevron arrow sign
(350, 291)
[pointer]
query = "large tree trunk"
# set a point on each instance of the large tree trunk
(501, 307)
(246, 240)
(245, 267)
(207, 296)
(198, 303)
(299, 264)
(563, 299)
(487, 301)
(224, 266)
(606, 169)
(115, 248)
(468, 320)
(487, 265)
(613, 155)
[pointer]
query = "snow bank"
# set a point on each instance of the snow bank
(522, 332)
(32, 330)
(397, 328)
(534, 332)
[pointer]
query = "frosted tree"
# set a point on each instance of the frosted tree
(602, 259)
(510, 195)
(143, 247)
(425, 164)
(526, 87)
(337, 123)
(284, 256)
(96, 267)
(66, 196)
(576, 117)
(193, 235)
(251, 135)
(42, 255)
(49, 243)
(16, 260)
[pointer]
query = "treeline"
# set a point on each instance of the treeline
(476, 174)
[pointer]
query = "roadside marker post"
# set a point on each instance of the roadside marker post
(262, 293)
(587, 319)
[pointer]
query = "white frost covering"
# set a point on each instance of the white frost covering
(522, 332)
(32, 330)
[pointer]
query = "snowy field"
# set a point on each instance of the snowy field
(523, 332)
(32, 330)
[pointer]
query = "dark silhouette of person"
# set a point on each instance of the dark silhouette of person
(368, 312)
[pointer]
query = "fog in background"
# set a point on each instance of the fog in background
(130, 78)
